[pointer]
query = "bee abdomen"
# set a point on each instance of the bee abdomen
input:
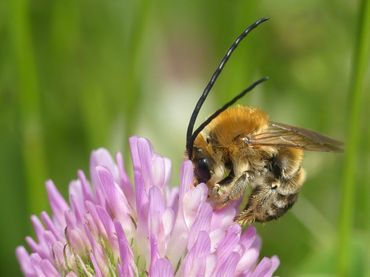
(271, 198)
(285, 196)
(280, 206)
(292, 185)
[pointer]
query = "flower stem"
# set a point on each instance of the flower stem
(360, 64)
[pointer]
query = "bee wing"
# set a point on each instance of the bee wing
(283, 135)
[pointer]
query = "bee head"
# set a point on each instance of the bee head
(210, 166)
(203, 165)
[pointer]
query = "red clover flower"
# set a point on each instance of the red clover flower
(115, 227)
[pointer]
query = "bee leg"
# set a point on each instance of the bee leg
(252, 210)
(222, 194)
(270, 200)
(230, 189)
(247, 216)
(239, 187)
(219, 195)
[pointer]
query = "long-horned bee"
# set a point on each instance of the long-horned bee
(239, 147)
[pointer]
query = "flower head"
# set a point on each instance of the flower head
(112, 228)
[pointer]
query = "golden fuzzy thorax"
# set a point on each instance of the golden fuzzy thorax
(222, 137)
(235, 164)
(236, 121)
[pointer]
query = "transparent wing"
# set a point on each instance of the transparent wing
(279, 134)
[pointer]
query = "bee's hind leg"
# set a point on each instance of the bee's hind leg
(249, 214)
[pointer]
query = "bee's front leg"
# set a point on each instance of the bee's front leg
(221, 194)
(240, 185)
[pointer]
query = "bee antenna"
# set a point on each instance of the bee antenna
(228, 104)
(190, 136)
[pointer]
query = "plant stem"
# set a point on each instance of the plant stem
(360, 65)
(132, 95)
(28, 106)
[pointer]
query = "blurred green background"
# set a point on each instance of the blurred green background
(77, 75)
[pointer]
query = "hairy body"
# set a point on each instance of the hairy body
(242, 148)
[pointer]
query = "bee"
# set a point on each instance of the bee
(239, 148)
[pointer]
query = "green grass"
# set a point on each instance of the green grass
(355, 117)
(28, 105)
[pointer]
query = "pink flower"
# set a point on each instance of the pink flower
(112, 228)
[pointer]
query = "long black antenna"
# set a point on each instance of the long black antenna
(189, 134)
(224, 107)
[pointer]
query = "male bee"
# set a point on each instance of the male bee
(239, 147)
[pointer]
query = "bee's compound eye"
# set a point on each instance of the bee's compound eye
(202, 171)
